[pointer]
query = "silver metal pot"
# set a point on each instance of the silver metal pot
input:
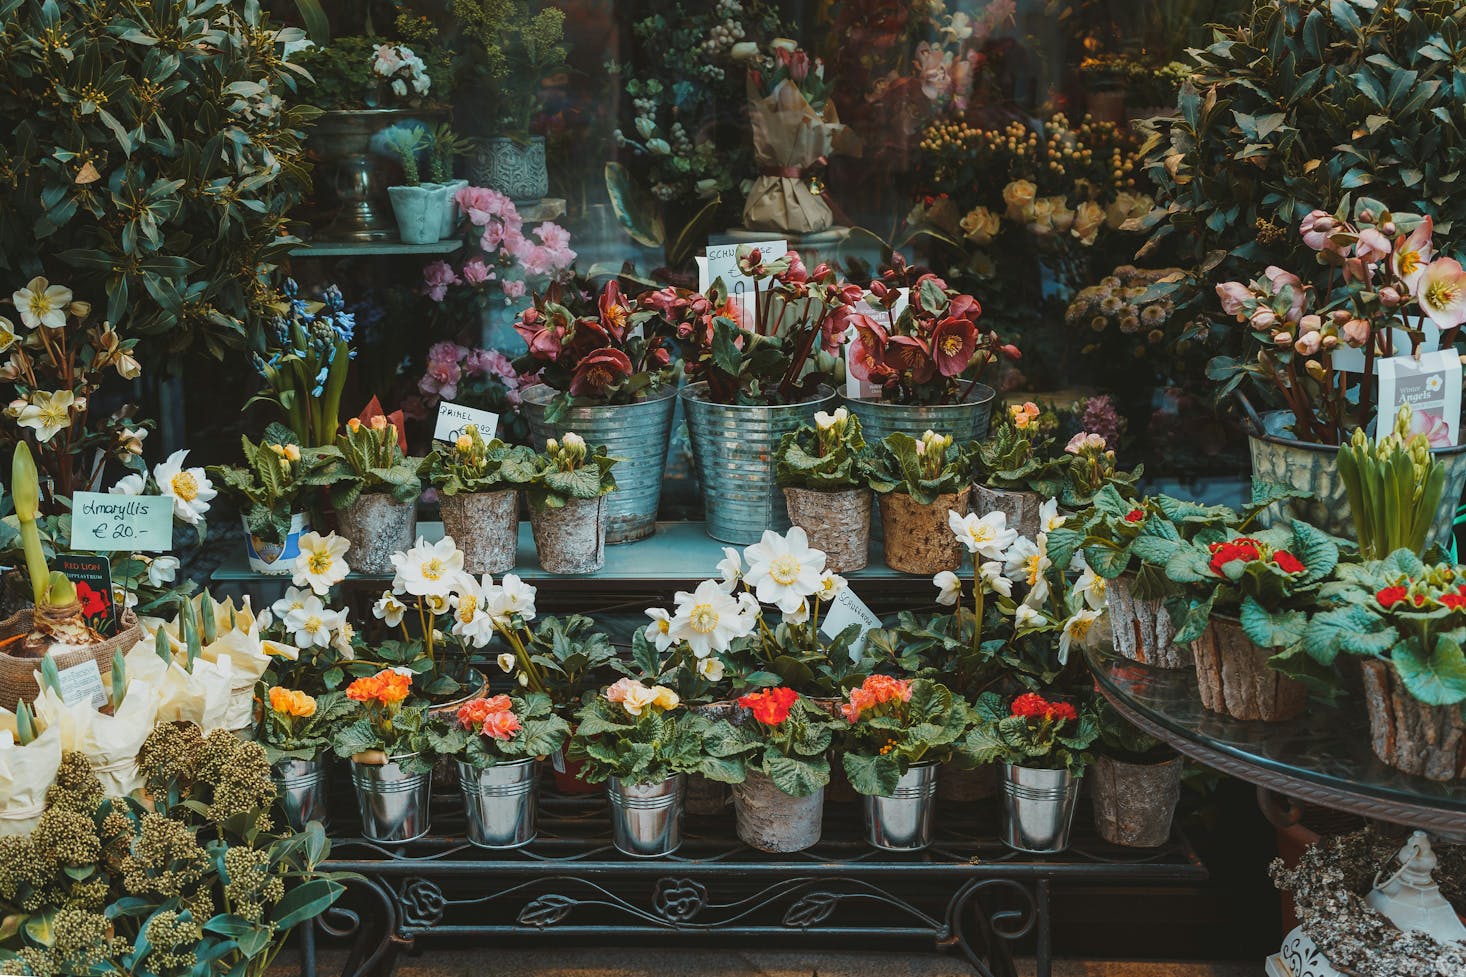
(500, 802)
(393, 803)
(301, 788)
(903, 820)
(646, 819)
(964, 422)
(1038, 808)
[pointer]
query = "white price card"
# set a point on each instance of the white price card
(721, 261)
(453, 418)
(847, 609)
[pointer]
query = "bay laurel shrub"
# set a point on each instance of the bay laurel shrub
(149, 155)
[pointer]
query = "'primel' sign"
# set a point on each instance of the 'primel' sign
(134, 523)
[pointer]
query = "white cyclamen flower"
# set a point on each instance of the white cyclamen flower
(320, 564)
(1077, 629)
(659, 632)
(987, 535)
(708, 619)
(389, 609)
(190, 488)
(429, 569)
(949, 587)
(783, 570)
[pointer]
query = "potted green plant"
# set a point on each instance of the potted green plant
(782, 741)
(921, 484)
(1394, 487)
(1402, 619)
(386, 739)
(1018, 468)
(1135, 783)
(497, 743)
(822, 472)
(269, 488)
(374, 488)
(604, 372)
(1243, 607)
(417, 205)
(899, 731)
(444, 145)
(295, 729)
(641, 741)
(478, 485)
(568, 511)
(1044, 746)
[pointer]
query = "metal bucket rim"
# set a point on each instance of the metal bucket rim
(494, 766)
(975, 398)
(689, 393)
(530, 396)
(1263, 434)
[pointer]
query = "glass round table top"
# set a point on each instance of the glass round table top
(1323, 757)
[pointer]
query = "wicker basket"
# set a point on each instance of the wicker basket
(18, 675)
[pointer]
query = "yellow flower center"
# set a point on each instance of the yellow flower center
(40, 303)
(784, 569)
(185, 486)
(467, 607)
(433, 569)
(952, 345)
(1443, 295)
(665, 627)
(54, 414)
(1409, 262)
(312, 624)
(1031, 564)
(320, 561)
(703, 619)
(1078, 629)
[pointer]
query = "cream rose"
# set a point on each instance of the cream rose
(981, 225)
(1088, 219)
(1019, 196)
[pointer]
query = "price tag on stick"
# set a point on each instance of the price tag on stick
(453, 418)
(102, 523)
(847, 609)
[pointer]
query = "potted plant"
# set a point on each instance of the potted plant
(443, 147)
(604, 372)
(478, 485)
(1017, 468)
(919, 483)
(307, 357)
(269, 488)
(643, 744)
(1402, 619)
(295, 730)
(1044, 747)
(754, 377)
(418, 206)
(1243, 606)
(374, 488)
(391, 764)
(781, 740)
(822, 472)
(498, 743)
(899, 731)
(568, 511)
(1394, 487)
(1135, 783)
(926, 351)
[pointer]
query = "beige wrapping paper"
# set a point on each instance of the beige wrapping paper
(26, 773)
(111, 743)
(789, 136)
(203, 697)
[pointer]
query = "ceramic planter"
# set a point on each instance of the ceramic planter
(393, 803)
(733, 450)
(516, 169)
(1134, 802)
(902, 820)
(419, 212)
(646, 819)
(352, 177)
(572, 538)
(275, 558)
(377, 526)
(1038, 808)
(485, 525)
(499, 802)
(1020, 507)
(1234, 679)
(451, 211)
(917, 537)
(837, 522)
(1142, 628)
(302, 790)
(964, 422)
(1407, 734)
(636, 433)
(773, 821)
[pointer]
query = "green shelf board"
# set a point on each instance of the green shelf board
(354, 249)
(676, 552)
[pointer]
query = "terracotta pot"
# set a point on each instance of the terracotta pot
(1427, 741)
(917, 537)
(1020, 508)
(377, 526)
(837, 522)
(567, 776)
(1234, 679)
(572, 538)
(485, 525)
(1142, 628)
(1134, 802)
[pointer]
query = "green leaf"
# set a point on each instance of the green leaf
(875, 776)
(1439, 680)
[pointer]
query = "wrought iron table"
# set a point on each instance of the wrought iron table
(968, 894)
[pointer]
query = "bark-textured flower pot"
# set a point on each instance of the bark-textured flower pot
(1142, 628)
(917, 537)
(572, 538)
(377, 526)
(485, 525)
(773, 821)
(1427, 741)
(837, 522)
(1020, 507)
(1134, 802)
(1234, 679)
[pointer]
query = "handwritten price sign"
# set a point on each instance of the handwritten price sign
(135, 523)
(453, 418)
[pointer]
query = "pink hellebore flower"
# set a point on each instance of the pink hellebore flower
(1413, 253)
(1442, 292)
(1316, 227)
(1233, 295)
(1372, 245)
(1280, 279)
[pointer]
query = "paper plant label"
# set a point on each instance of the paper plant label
(132, 523)
(92, 576)
(721, 261)
(847, 609)
(1431, 386)
(82, 683)
(856, 388)
(453, 418)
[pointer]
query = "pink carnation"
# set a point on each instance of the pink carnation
(436, 278)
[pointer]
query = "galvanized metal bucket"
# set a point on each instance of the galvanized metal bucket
(301, 787)
(1276, 457)
(733, 451)
(393, 803)
(499, 802)
(635, 433)
(902, 821)
(964, 422)
(646, 819)
(1038, 808)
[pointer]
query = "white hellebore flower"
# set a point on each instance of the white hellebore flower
(987, 535)
(1077, 629)
(1092, 587)
(730, 568)
(429, 569)
(949, 587)
(830, 586)
(342, 642)
(389, 609)
(708, 619)
(312, 624)
(507, 661)
(293, 600)
(320, 564)
(1025, 563)
(1027, 617)
(42, 304)
(711, 669)
(659, 632)
(162, 570)
(190, 488)
(991, 576)
(1048, 516)
(512, 596)
(472, 620)
(799, 615)
(128, 485)
(783, 570)
(48, 414)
